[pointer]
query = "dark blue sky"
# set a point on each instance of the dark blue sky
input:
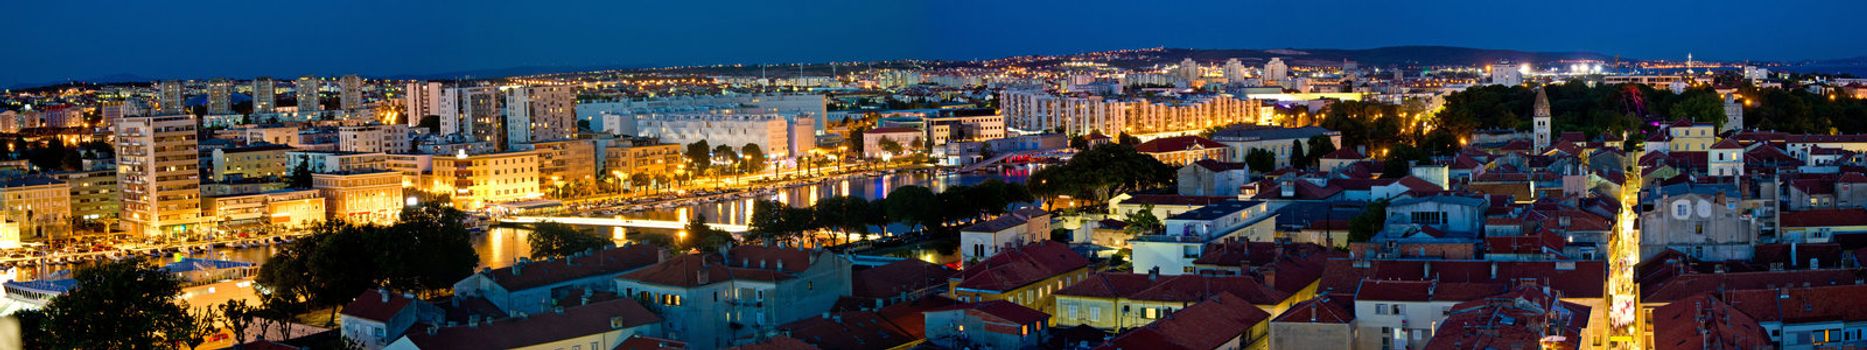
(83, 39)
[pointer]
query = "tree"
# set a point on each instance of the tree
(1297, 156)
(1362, 227)
(699, 154)
(726, 153)
(1261, 160)
(774, 221)
(1319, 145)
(1102, 172)
(551, 240)
(915, 205)
(1702, 106)
(301, 176)
(427, 250)
(890, 146)
(121, 304)
(854, 141)
(701, 236)
(1143, 222)
(753, 158)
(236, 316)
(194, 328)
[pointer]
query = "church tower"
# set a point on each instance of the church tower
(1733, 114)
(1541, 115)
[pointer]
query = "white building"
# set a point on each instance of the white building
(420, 99)
(780, 136)
(985, 239)
(540, 113)
(158, 171)
(265, 95)
(351, 97)
(1188, 233)
(1275, 72)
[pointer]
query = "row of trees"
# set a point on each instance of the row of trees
(425, 253)
(133, 304)
(724, 159)
(916, 206)
(1100, 173)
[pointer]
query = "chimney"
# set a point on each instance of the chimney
(519, 267)
(473, 321)
(1792, 252)
(701, 276)
(384, 293)
(813, 258)
(1270, 275)
(1493, 270)
(1153, 274)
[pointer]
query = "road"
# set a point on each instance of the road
(1625, 328)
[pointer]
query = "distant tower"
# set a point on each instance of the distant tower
(219, 97)
(1350, 70)
(1235, 72)
(265, 95)
(1733, 114)
(1275, 71)
(1541, 115)
(1189, 71)
(169, 98)
(352, 97)
(307, 88)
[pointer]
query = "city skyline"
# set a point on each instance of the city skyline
(426, 39)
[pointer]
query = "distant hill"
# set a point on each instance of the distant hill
(1382, 56)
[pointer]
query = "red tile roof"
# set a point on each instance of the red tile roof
(1021, 266)
(639, 342)
(1682, 286)
(744, 262)
(1521, 319)
(377, 305)
(1575, 279)
(1296, 265)
(1177, 144)
(1344, 153)
(1802, 305)
(1420, 291)
(1317, 310)
(1704, 322)
(1202, 326)
(1824, 218)
(854, 330)
(544, 272)
(1182, 288)
(1218, 166)
(905, 276)
(1004, 310)
(777, 343)
(536, 329)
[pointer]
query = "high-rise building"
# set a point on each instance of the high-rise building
(220, 97)
(265, 95)
(1507, 74)
(1188, 71)
(475, 113)
(1541, 115)
(1235, 72)
(420, 99)
(540, 113)
(158, 172)
(352, 92)
(169, 98)
(1351, 70)
(307, 88)
(1275, 72)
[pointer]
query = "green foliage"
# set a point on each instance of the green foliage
(426, 252)
(552, 240)
(726, 153)
(1060, 235)
(773, 221)
(1297, 156)
(1261, 160)
(237, 316)
(890, 146)
(1362, 227)
(121, 304)
(1143, 222)
(914, 205)
(301, 176)
(700, 155)
(1102, 172)
(702, 237)
(1702, 106)
(752, 158)
(1319, 145)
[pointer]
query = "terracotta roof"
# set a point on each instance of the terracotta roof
(1685, 285)
(1218, 166)
(1802, 304)
(911, 315)
(1177, 144)
(1704, 322)
(1206, 325)
(1727, 143)
(639, 342)
(744, 262)
(1021, 266)
(1538, 242)
(898, 277)
(1317, 310)
(777, 343)
(1520, 319)
(1824, 218)
(849, 331)
(1182, 288)
(1344, 153)
(377, 305)
(544, 272)
(539, 328)
(1004, 310)
(1013, 219)
(1576, 279)
(1296, 265)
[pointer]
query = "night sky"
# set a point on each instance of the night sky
(49, 41)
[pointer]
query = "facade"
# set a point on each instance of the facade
(1028, 275)
(219, 97)
(653, 160)
(334, 162)
(1211, 178)
(378, 317)
(700, 297)
(963, 126)
(94, 194)
(475, 181)
(420, 99)
(473, 112)
(1275, 72)
(1037, 111)
(40, 205)
(988, 325)
(392, 138)
(564, 163)
(251, 162)
(540, 113)
(158, 171)
(1703, 221)
(1403, 314)
(1014, 229)
(1279, 141)
(1189, 233)
(908, 138)
(1540, 116)
(363, 196)
(1122, 301)
(1314, 324)
(780, 136)
(307, 90)
(265, 95)
(1183, 150)
(528, 285)
(351, 98)
(169, 97)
